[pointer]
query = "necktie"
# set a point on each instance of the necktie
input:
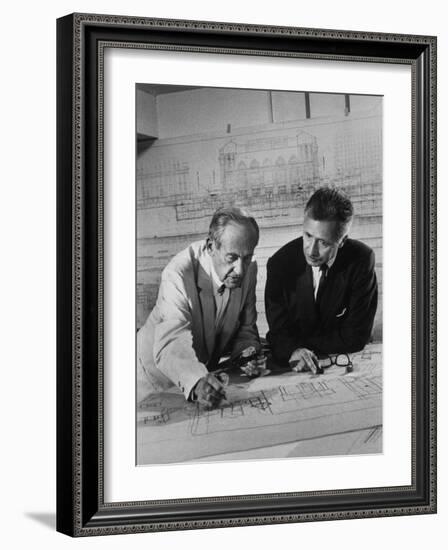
(221, 306)
(221, 301)
(323, 275)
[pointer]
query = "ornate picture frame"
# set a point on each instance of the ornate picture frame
(81, 506)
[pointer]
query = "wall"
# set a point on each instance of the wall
(28, 229)
(146, 115)
(209, 110)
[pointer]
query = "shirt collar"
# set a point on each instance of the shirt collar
(215, 279)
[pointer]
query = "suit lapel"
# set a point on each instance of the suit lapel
(332, 291)
(306, 307)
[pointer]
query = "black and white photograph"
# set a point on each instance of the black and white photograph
(259, 227)
(221, 314)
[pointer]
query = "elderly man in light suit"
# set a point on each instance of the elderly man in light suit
(205, 308)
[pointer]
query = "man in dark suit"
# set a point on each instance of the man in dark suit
(321, 291)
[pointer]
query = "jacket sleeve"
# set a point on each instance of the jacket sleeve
(282, 341)
(354, 330)
(174, 354)
(247, 334)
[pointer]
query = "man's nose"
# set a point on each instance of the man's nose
(238, 267)
(314, 249)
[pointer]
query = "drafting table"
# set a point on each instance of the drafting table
(284, 414)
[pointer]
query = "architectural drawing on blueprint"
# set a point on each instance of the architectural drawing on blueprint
(268, 411)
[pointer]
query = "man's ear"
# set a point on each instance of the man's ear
(341, 244)
(209, 244)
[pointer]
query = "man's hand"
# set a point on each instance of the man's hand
(303, 359)
(255, 367)
(209, 391)
(257, 364)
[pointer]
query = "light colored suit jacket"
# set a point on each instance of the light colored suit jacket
(178, 339)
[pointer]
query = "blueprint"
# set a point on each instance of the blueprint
(268, 411)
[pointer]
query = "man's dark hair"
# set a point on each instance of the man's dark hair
(224, 216)
(329, 204)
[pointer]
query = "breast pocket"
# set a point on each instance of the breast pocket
(340, 314)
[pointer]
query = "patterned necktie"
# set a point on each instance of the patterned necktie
(221, 289)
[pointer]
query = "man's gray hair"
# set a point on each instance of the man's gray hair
(224, 216)
(330, 204)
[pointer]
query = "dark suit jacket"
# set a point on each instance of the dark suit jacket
(342, 320)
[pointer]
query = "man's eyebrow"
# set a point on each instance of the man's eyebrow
(317, 238)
